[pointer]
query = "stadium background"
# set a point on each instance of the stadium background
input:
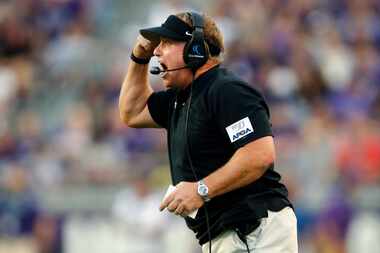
(74, 179)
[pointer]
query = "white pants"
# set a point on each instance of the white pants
(276, 233)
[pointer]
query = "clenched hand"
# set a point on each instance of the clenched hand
(144, 48)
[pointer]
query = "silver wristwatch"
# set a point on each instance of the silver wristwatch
(203, 191)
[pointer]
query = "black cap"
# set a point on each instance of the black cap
(174, 28)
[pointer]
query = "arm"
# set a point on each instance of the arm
(136, 90)
(247, 165)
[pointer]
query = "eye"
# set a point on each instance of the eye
(166, 41)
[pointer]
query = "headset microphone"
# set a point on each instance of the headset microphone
(157, 70)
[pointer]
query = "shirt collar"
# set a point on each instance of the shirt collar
(199, 83)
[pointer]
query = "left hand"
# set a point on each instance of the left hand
(183, 200)
(144, 48)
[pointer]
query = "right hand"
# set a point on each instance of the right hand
(144, 48)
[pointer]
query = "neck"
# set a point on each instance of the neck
(208, 65)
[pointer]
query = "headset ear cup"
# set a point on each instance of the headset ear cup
(195, 53)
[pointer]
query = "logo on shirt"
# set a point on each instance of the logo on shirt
(239, 129)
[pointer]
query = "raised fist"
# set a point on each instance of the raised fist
(144, 48)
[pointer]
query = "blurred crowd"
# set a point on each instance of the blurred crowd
(62, 63)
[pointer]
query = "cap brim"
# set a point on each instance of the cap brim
(155, 34)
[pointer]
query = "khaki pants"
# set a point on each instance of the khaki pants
(276, 234)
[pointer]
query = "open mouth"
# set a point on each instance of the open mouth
(163, 66)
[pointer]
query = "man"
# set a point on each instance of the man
(220, 143)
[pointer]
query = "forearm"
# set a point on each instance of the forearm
(135, 91)
(247, 165)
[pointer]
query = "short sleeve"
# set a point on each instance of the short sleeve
(159, 106)
(240, 111)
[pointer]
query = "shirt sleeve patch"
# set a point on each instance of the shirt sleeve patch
(239, 129)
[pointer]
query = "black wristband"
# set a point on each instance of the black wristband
(139, 60)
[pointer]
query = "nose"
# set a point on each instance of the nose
(157, 50)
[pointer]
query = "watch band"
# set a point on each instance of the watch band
(139, 60)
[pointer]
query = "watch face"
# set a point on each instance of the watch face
(203, 190)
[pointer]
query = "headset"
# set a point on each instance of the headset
(195, 54)
(196, 51)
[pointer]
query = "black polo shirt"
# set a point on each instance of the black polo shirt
(224, 115)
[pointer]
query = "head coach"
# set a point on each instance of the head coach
(220, 143)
